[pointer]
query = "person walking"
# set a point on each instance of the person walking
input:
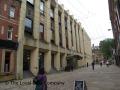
(87, 64)
(101, 64)
(40, 80)
(93, 64)
(107, 64)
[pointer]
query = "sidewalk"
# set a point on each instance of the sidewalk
(102, 78)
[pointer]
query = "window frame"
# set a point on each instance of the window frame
(42, 7)
(10, 30)
(12, 12)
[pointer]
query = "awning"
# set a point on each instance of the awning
(76, 57)
(8, 44)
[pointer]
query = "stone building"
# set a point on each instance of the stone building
(97, 54)
(114, 11)
(47, 37)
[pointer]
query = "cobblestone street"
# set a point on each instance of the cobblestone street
(102, 78)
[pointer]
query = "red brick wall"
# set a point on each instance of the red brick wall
(6, 21)
(0, 59)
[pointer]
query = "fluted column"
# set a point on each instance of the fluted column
(47, 35)
(74, 37)
(63, 30)
(47, 61)
(19, 61)
(56, 25)
(36, 22)
(77, 38)
(57, 61)
(69, 33)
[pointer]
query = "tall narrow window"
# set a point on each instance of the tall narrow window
(9, 33)
(42, 7)
(41, 31)
(7, 61)
(12, 12)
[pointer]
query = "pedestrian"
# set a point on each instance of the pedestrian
(40, 80)
(93, 64)
(101, 64)
(87, 64)
(107, 64)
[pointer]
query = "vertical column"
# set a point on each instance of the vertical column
(47, 35)
(79, 32)
(69, 33)
(36, 22)
(57, 61)
(47, 61)
(19, 62)
(35, 52)
(34, 61)
(56, 25)
(74, 37)
(77, 38)
(63, 29)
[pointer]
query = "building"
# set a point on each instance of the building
(114, 11)
(48, 37)
(9, 21)
(97, 54)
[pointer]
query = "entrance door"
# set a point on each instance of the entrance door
(52, 61)
(26, 60)
(41, 60)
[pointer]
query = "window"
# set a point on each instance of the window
(7, 61)
(28, 23)
(30, 1)
(42, 31)
(12, 12)
(41, 28)
(42, 6)
(9, 33)
(52, 13)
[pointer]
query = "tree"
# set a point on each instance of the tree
(106, 47)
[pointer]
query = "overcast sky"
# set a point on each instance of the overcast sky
(94, 16)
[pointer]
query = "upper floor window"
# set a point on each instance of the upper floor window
(42, 7)
(52, 13)
(59, 18)
(41, 28)
(12, 12)
(30, 1)
(28, 23)
(29, 11)
(9, 33)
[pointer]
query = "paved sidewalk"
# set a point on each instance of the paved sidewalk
(102, 78)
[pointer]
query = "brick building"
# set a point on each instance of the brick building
(48, 37)
(114, 11)
(9, 23)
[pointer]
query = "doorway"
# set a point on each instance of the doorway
(26, 60)
(41, 60)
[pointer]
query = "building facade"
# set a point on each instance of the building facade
(9, 22)
(114, 11)
(47, 37)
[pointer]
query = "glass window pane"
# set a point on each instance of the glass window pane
(41, 28)
(28, 23)
(12, 12)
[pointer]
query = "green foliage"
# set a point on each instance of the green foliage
(106, 47)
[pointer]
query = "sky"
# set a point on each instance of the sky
(93, 15)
